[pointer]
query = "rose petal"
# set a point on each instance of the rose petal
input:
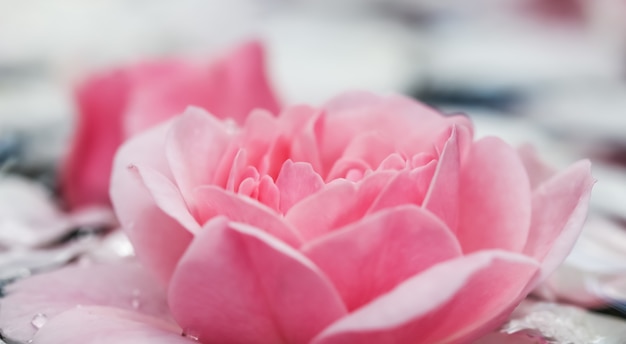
(269, 193)
(214, 201)
(108, 325)
(450, 302)
(338, 204)
(370, 147)
(158, 239)
(406, 187)
(538, 171)
(295, 182)
(559, 209)
(230, 87)
(345, 166)
(370, 257)
(167, 196)
(305, 140)
(494, 198)
(297, 140)
(243, 76)
(413, 129)
(444, 186)
(195, 146)
(249, 287)
(99, 131)
(124, 285)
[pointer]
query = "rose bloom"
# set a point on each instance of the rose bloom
(369, 220)
(116, 105)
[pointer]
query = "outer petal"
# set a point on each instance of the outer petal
(214, 201)
(195, 146)
(538, 171)
(167, 196)
(123, 285)
(370, 147)
(104, 325)
(86, 171)
(158, 239)
(370, 257)
(494, 198)
(231, 87)
(414, 126)
(559, 211)
(450, 302)
(248, 287)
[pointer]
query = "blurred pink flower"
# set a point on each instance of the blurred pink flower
(116, 105)
(372, 219)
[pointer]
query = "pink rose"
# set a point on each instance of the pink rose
(116, 105)
(373, 219)
(370, 220)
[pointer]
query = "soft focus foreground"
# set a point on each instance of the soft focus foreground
(549, 74)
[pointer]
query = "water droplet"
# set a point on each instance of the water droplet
(39, 320)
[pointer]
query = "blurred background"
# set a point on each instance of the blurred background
(550, 73)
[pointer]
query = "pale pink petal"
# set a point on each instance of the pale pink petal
(295, 182)
(495, 201)
(125, 285)
(84, 175)
(444, 187)
(103, 325)
(559, 209)
(394, 161)
(407, 186)
(305, 141)
(370, 147)
(238, 284)
(214, 201)
(538, 171)
(318, 214)
(258, 134)
(370, 257)
(352, 100)
(237, 170)
(269, 193)
(413, 128)
(338, 204)
(167, 196)
(158, 239)
(296, 140)
(195, 146)
(450, 302)
(345, 166)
